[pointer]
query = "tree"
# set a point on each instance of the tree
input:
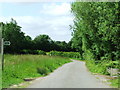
(24, 44)
(95, 30)
(42, 42)
(29, 44)
(12, 32)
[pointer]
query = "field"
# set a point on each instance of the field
(19, 67)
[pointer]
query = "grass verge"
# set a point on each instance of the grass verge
(114, 82)
(100, 67)
(19, 67)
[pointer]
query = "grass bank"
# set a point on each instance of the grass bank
(114, 82)
(18, 67)
(101, 67)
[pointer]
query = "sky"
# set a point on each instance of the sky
(51, 18)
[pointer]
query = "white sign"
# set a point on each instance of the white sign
(7, 43)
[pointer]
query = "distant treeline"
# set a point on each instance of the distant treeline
(11, 31)
(96, 32)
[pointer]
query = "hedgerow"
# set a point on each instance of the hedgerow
(65, 54)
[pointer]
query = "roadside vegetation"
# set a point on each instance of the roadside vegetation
(95, 39)
(0, 77)
(115, 82)
(65, 54)
(19, 67)
(101, 66)
(96, 35)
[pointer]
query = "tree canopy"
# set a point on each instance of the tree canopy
(19, 41)
(95, 30)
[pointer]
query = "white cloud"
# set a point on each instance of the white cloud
(56, 9)
(56, 25)
(36, 1)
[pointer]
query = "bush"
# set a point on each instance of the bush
(65, 54)
(29, 51)
(101, 66)
(97, 66)
(42, 71)
(40, 52)
(113, 64)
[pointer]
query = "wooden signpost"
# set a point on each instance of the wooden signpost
(2, 43)
(2, 50)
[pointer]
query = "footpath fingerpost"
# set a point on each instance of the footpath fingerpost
(7, 43)
(2, 43)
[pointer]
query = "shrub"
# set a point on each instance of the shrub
(29, 51)
(101, 66)
(42, 71)
(65, 54)
(40, 52)
(113, 64)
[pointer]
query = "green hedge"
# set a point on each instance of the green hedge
(40, 52)
(65, 54)
(101, 66)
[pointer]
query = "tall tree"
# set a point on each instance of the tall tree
(29, 44)
(12, 32)
(95, 29)
(42, 42)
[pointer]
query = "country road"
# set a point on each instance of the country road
(70, 75)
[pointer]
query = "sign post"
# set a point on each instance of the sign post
(2, 50)
(2, 43)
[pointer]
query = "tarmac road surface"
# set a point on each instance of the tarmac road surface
(70, 75)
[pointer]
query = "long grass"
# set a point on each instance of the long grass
(18, 67)
(114, 83)
(101, 68)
